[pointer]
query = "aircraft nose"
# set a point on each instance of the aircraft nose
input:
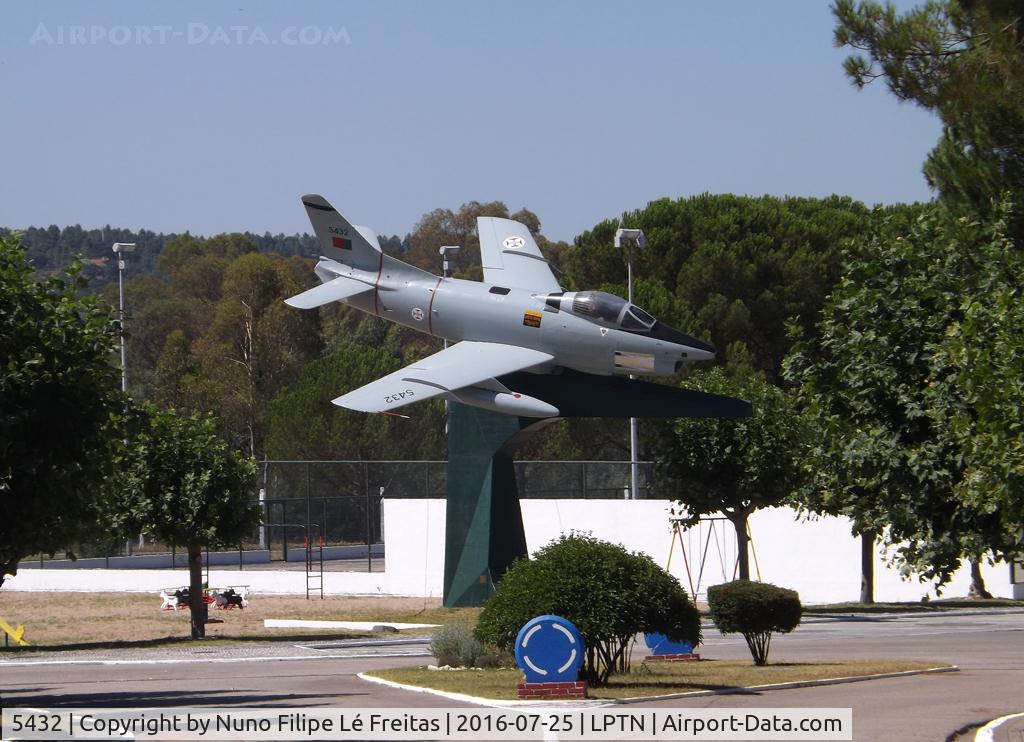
(696, 354)
(696, 350)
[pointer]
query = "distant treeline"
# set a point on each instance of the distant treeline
(52, 248)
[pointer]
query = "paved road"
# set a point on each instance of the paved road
(988, 647)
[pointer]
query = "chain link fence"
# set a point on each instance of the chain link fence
(338, 506)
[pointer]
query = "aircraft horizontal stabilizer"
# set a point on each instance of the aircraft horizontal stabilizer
(336, 289)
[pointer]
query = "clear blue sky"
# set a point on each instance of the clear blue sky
(576, 110)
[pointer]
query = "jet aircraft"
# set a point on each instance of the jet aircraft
(517, 320)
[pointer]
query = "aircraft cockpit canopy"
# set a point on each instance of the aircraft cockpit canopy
(608, 309)
(614, 311)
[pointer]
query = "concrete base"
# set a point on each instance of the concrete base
(552, 691)
(688, 657)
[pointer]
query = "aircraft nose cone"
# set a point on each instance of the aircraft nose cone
(696, 354)
(695, 349)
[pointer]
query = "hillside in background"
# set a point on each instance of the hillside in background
(51, 248)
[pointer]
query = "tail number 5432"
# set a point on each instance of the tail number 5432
(398, 397)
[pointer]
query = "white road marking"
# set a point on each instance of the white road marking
(988, 732)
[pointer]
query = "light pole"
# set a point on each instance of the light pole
(448, 255)
(627, 237)
(120, 248)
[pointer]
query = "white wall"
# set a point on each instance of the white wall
(818, 558)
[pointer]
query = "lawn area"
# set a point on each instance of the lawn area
(56, 621)
(653, 680)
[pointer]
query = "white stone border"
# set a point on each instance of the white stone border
(988, 732)
(491, 702)
(219, 660)
(289, 623)
(667, 697)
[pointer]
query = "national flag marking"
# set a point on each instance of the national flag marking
(532, 319)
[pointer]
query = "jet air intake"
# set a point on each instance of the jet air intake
(510, 403)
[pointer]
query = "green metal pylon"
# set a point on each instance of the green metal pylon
(484, 524)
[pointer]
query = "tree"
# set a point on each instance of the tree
(977, 404)
(60, 404)
(712, 465)
(964, 60)
(219, 338)
(182, 485)
(898, 381)
(610, 594)
(756, 610)
(303, 424)
(730, 269)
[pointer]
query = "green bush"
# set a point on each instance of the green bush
(609, 593)
(756, 610)
(454, 644)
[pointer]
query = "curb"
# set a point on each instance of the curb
(491, 702)
(988, 732)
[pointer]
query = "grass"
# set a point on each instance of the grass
(62, 621)
(655, 679)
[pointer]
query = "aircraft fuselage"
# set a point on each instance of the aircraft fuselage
(456, 310)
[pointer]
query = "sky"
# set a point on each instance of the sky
(218, 116)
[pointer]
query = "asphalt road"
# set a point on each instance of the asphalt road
(988, 647)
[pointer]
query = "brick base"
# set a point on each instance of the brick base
(551, 691)
(689, 657)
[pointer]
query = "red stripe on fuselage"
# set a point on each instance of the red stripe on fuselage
(376, 285)
(430, 306)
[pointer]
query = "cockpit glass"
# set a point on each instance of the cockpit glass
(599, 304)
(642, 315)
(630, 322)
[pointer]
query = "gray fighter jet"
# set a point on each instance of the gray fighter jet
(518, 319)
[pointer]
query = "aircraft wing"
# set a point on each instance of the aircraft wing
(511, 257)
(460, 365)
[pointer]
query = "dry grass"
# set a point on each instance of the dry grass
(655, 679)
(71, 620)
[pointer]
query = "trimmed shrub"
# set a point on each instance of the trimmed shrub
(756, 610)
(453, 644)
(608, 592)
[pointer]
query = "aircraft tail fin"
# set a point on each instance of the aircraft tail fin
(346, 243)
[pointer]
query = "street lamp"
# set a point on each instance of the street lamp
(121, 248)
(448, 255)
(627, 238)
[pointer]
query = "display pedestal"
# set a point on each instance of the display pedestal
(484, 525)
(483, 522)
